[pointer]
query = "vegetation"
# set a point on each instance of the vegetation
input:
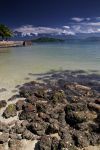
(47, 39)
(5, 32)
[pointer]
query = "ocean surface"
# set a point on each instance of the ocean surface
(18, 63)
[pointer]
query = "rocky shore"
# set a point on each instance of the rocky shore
(59, 111)
(5, 44)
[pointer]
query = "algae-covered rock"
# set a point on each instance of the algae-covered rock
(10, 111)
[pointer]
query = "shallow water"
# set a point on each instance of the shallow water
(16, 63)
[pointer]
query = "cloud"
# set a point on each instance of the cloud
(77, 19)
(79, 26)
(31, 30)
(66, 27)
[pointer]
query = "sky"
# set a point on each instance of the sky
(68, 17)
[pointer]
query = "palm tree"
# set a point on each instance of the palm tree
(5, 32)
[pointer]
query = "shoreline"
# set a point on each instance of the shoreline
(7, 44)
(80, 92)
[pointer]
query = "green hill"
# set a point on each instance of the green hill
(46, 39)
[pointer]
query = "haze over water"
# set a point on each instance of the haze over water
(16, 63)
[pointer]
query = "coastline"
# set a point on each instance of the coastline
(6, 44)
(76, 81)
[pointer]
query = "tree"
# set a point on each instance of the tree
(5, 32)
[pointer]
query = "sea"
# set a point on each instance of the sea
(23, 64)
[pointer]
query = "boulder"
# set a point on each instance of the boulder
(20, 104)
(10, 111)
(3, 103)
(45, 143)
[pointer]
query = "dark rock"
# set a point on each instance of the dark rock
(18, 129)
(81, 106)
(55, 144)
(27, 115)
(63, 144)
(45, 143)
(94, 107)
(94, 138)
(41, 107)
(52, 128)
(32, 99)
(20, 104)
(28, 135)
(80, 139)
(38, 128)
(10, 111)
(3, 103)
(40, 93)
(29, 108)
(73, 118)
(58, 97)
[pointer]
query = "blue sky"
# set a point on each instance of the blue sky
(68, 17)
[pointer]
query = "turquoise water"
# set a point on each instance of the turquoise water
(16, 63)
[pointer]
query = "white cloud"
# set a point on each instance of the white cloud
(66, 27)
(31, 30)
(79, 26)
(77, 19)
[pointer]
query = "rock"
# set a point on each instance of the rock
(61, 119)
(4, 138)
(37, 128)
(80, 106)
(18, 129)
(20, 104)
(40, 93)
(41, 107)
(28, 135)
(52, 128)
(94, 138)
(29, 108)
(15, 144)
(58, 97)
(4, 127)
(10, 111)
(27, 115)
(65, 145)
(94, 107)
(24, 123)
(15, 136)
(73, 118)
(97, 101)
(44, 116)
(3, 103)
(80, 139)
(45, 143)
(32, 99)
(55, 144)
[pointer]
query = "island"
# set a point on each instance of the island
(47, 40)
